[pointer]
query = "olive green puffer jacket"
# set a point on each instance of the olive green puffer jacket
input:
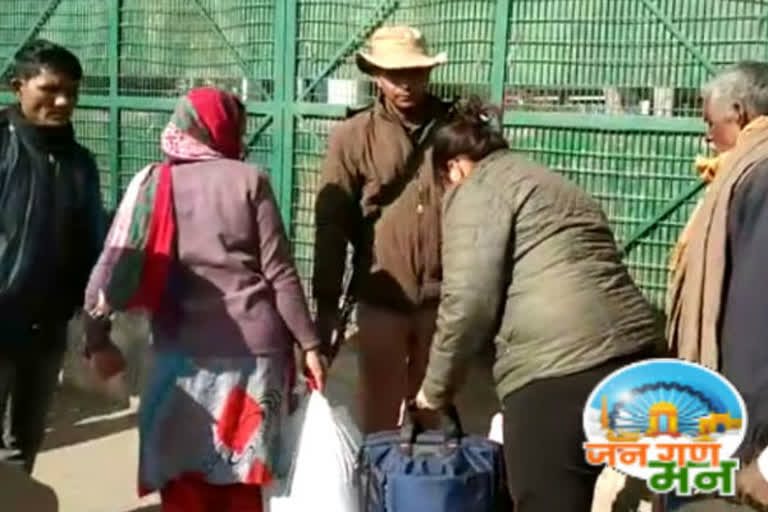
(530, 264)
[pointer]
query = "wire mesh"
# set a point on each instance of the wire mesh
(309, 148)
(140, 142)
(79, 25)
(170, 46)
(330, 33)
(463, 29)
(608, 56)
(615, 57)
(633, 176)
(260, 149)
(625, 56)
(91, 130)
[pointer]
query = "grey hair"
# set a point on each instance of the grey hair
(745, 84)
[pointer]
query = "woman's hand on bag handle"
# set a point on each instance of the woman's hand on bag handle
(422, 403)
(104, 357)
(421, 411)
(316, 366)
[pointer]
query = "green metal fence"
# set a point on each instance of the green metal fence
(603, 91)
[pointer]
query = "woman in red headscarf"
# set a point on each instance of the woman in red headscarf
(212, 264)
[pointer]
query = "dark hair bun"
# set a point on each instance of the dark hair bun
(475, 130)
(474, 111)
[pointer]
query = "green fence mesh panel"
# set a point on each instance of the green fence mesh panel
(310, 141)
(324, 28)
(260, 149)
(571, 54)
(168, 46)
(81, 25)
(91, 128)
(140, 142)
(463, 29)
(632, 176)
(616, 57)
(603, 91)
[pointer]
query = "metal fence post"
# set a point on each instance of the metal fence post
(287, 99)
(500, 44)
(284, 96)
(113, 69)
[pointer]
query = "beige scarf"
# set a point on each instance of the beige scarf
(694, 296)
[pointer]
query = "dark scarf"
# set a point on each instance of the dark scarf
(29, 159)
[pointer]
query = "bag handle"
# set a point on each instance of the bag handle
(311, 382)
(411, 428)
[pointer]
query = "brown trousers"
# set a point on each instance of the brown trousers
(393, 351)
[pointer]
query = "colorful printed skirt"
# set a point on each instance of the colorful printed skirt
(214, 419)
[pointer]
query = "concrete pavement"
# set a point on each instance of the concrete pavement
(90, 456)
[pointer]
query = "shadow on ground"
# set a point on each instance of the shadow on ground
(78, 416)
(147, 508)
(22, 493)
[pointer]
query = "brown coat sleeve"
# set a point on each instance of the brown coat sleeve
(337, 215)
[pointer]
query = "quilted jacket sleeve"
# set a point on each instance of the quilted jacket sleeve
(477, 257)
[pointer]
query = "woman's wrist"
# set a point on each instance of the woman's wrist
(314, 347)
(422, 402)
(98, 327)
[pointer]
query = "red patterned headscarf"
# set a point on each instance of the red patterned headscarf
(206, 125)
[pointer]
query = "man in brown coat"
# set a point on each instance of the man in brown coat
(379, 194)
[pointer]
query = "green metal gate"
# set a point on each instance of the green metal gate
(140, 55)
(604, 91)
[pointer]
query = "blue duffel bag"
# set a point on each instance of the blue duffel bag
(412, 470)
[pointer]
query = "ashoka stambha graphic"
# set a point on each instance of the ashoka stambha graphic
(666, 408)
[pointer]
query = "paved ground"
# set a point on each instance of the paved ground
(90, 456)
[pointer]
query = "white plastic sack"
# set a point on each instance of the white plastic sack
(322, 475)
(497, 429)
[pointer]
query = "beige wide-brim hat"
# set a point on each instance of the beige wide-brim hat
(397, 47)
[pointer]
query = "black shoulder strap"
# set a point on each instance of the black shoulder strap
(348, 297)
(425, 137)
(353, 111)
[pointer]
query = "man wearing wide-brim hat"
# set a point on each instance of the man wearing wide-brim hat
(397, 48)
(379, 193)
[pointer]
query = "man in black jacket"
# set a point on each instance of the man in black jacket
(718, 316)
(51, 231)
